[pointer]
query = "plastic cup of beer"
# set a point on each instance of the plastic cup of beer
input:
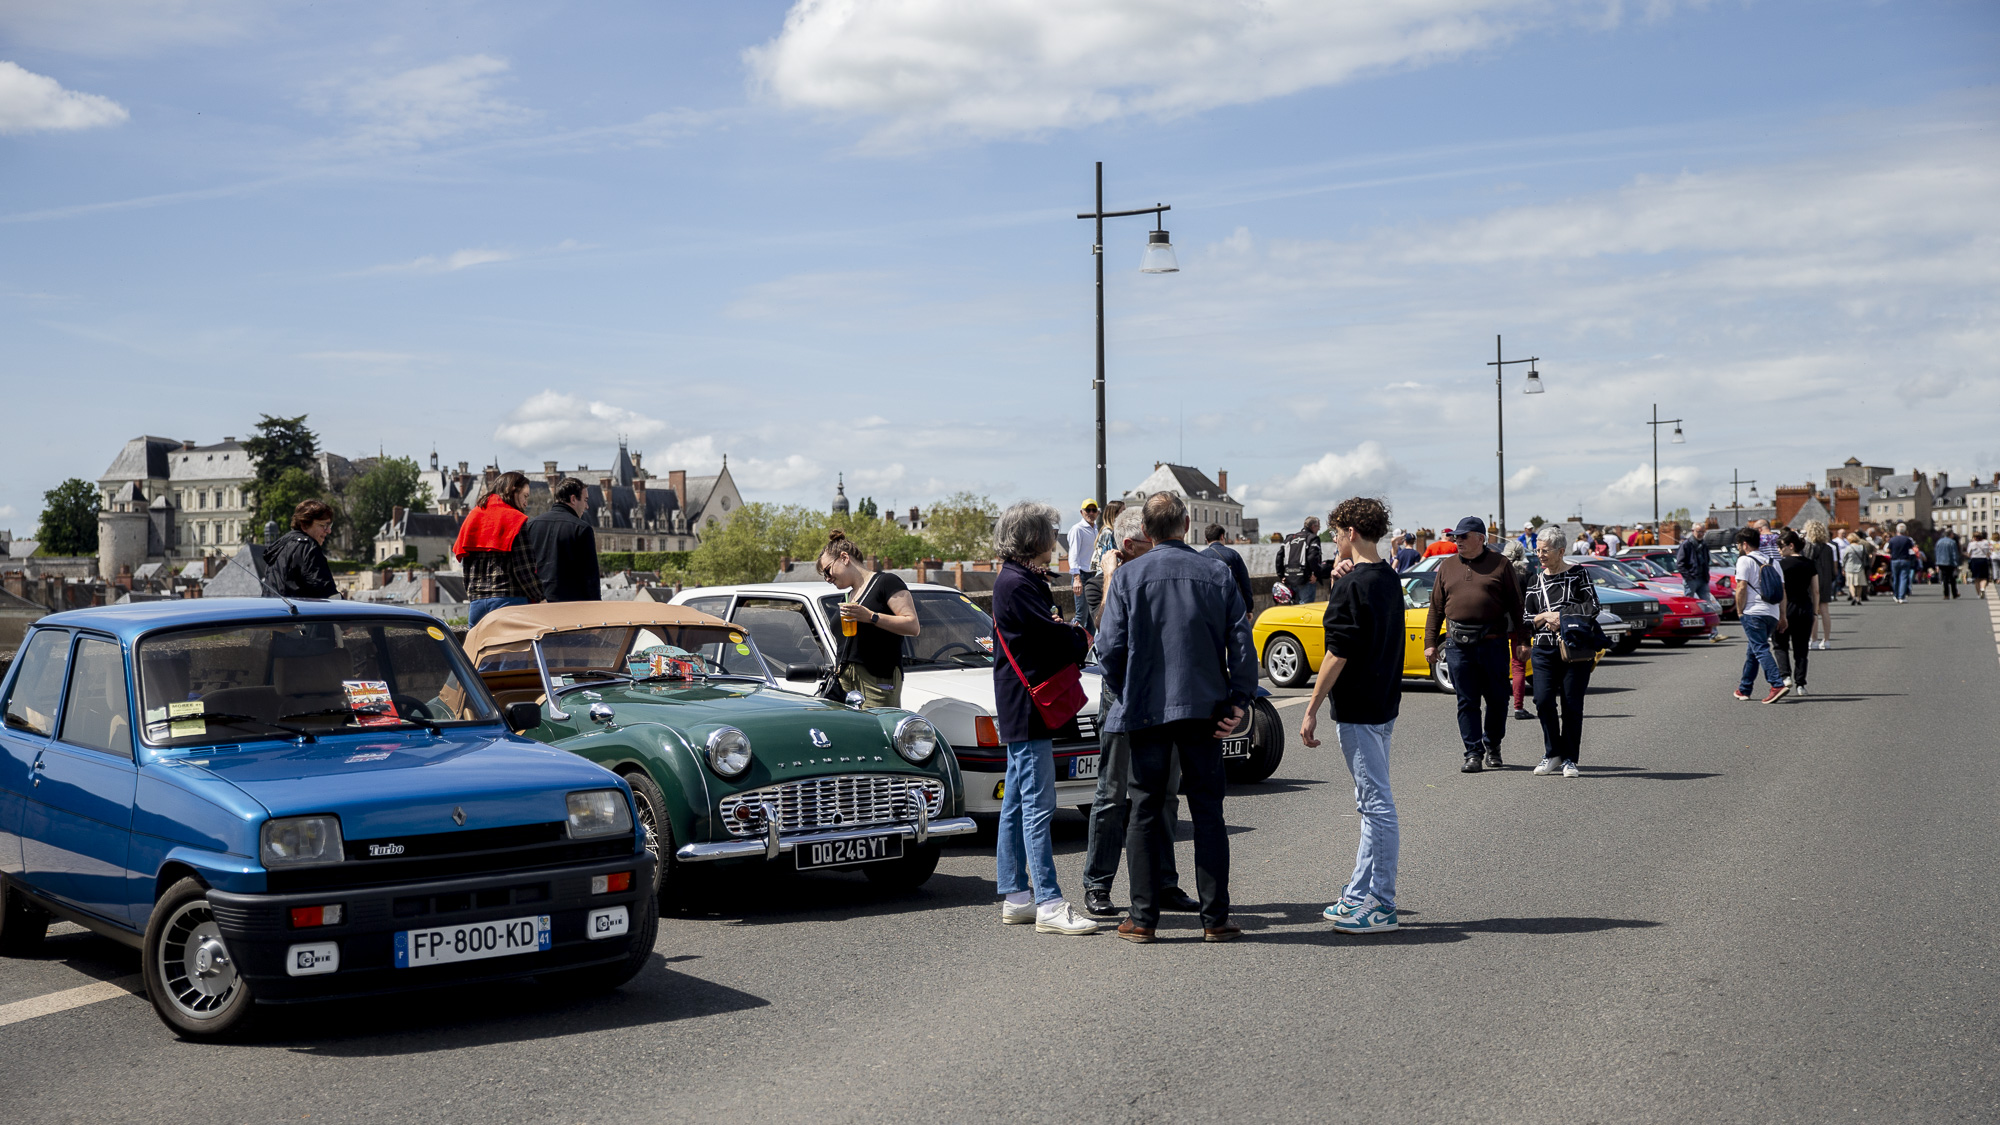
(848, 626)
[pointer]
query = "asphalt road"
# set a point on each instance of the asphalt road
(1738, 913)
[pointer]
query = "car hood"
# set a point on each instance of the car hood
(409, 782)
(971, 686)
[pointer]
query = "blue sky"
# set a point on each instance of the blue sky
(839, 237)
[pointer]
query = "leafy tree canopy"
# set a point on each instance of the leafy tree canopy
(277, 501)
(69, 519)
(867, 509)
(281, 445)
(961, 526)
(372, 497)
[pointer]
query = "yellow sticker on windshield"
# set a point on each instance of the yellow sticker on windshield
(436, 633)
(186, 727)
(743, 650)
(736, 638)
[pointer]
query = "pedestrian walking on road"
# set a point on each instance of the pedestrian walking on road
(1036, 646)
(1517, 663)
(1217, 549)
(1111, 805)
(1362, 673)
(1175, 647)
(1691, 560)
(1979, 562)
(1083, 561)
(1760, 610)
(1476, 604)
(1560, 591)
(876, 616)
(1406, 551)
(295, 566)
(1945, 553)
(1826, 561)
(1801, 609)
(1902, 562)
(499, 567)
(1854, 568)
(1299, 562)
(565, 546)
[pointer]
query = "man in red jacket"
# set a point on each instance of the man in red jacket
(499, 567)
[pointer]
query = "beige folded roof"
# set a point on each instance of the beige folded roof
(517, 626)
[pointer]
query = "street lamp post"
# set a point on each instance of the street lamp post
(1533, 387)
(1159, 258)
(1678, 439)
(1734, 497)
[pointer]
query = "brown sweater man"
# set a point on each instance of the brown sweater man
(1476, 602)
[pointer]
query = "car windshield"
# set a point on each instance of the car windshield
(1417, 589)
(1722, 556)
(1650, 567)
(954, 633)
(636, 652)
(303, 678)
(1602, 574)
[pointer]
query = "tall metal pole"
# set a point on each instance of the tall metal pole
(1656, 467)
(1097, 249)
(1500, 426)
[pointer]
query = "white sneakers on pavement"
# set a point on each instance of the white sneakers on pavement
(1059, 917)
(1016, 914)
(1548, 766)
(1570, 770)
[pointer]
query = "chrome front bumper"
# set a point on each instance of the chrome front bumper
(774, 843)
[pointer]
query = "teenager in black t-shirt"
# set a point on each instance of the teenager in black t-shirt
(1801, 609)
(876, 616)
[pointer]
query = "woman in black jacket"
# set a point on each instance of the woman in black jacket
(1560, 591)
(1033, 643)
(295, 566)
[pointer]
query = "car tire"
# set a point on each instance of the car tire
(23, 925)
(668, 874)
(1673, 642)
(1267, 746)
(1285, 661)
(916, 867)
(1441, 673)
(190, 978)
(604, 978)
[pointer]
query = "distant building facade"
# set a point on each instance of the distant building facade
(1208, 500)
(631, 509)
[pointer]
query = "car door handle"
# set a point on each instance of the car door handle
(40, 765)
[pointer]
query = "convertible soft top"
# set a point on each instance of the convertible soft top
(518, 626)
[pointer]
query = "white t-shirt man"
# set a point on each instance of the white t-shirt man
(1746, 585)
(1082, 547)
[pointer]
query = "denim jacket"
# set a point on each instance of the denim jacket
(1175, 640)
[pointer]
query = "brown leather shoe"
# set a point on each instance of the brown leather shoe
(1228, 931)
(1141, 934)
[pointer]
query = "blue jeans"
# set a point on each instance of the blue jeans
(1366, 748)
(1026, 855)
(1305, 593)
(1480, 672)
(1757, 630)
(1695, 589)
(483, 606)
(1900, 572)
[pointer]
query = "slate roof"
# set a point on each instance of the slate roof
(1812, 509)
(1189, 481)
(1902, 484)
(225, 460)
(421, 525)
(143, 458)
(239, 578)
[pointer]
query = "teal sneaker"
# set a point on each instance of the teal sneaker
(1365, 917)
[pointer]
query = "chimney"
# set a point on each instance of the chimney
(1847, 507)
(1156, 466)
(1940, 482)
(677, 480)
(913, 519)
(187, 444)
(1790, 498)
(492, 474)
(124, 579)
(209, 565)
(428, 592)
(636, 463)
(923, 570)
(640, 516)
(604, 510)
(396, 518)
(1222, 480)
(551, 475)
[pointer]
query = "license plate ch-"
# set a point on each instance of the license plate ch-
(1083, 766)
(845, 853)
(472, 942)
(1236, 747)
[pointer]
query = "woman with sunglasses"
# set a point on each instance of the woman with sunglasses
(876, 616)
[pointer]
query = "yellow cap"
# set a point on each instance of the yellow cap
(1088, 502)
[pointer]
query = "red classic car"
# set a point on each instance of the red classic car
(1682, 618)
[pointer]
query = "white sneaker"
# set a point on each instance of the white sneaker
(1798, 689)
(1015, 914)
(1570, 770)
(1788, 682)
(1059, 917)
(1548, 766)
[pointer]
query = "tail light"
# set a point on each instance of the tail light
(306, 917)
(987, 730)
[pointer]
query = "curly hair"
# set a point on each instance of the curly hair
(1363, 515)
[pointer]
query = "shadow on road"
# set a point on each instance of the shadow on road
(1257, 927)
(1642, 773)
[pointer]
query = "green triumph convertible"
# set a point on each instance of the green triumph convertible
(726, 766)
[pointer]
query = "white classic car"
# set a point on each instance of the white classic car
(947, 674)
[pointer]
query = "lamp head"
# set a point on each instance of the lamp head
(1159, 257)
(1678, 439)
(1534, 384)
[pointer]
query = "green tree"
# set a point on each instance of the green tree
(276, 501)
(747, 547)
(69, 519)
(1536, 522)
(282, 446)
(887, 540)
(961, 527)
(372, 497)
(1681, 514)
(867, 509)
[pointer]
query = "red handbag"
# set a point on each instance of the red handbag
(1059, 698)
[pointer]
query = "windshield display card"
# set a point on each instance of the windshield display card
(184, 728)
(369, 699)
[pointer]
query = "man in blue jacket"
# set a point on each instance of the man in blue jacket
(1175, 647)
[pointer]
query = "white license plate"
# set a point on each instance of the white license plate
(1236, 747)
(1695, 622)
(1083, 766)
(472, 942)
(844, 853)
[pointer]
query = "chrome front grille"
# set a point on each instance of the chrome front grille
(840, 801)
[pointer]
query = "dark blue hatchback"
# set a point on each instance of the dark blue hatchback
(279, 802)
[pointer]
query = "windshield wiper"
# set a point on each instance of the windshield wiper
(324, 712)
(300, 733)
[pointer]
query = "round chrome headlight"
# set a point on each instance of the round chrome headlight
(729, 752)
(916, 739)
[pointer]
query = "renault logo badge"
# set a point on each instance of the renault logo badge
(819, 738)
(458, 816)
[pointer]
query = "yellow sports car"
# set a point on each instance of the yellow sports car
(1292, 640)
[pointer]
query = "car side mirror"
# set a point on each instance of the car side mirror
(804, 673)
(523, 716)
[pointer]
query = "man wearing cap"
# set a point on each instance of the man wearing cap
(1083, 562)
(1476, 602)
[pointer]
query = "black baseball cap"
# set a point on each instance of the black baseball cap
(1468, 525)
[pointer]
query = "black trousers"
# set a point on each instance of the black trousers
(1480, 673)
(1793, 647)
(1149, 842)
(1559, 691)
(1948, 575)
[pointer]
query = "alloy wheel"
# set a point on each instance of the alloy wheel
(200, 975)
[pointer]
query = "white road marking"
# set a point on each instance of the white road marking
(69, 998)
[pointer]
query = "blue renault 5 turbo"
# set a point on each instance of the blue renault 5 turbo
(278, 801)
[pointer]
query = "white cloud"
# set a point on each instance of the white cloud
(30, 102)
(449, 263)
(427, 103)
(1638, 484)
(703, 454)
(8, 511)
(1321, 483)
(127, 27)
(1007, 67)
(1521, 480)
(552, 421)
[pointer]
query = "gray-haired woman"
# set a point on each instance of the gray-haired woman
(1034, 644)
(1561, 590)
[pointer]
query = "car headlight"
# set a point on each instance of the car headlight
(298, 841)
(598, 812)
(916, 739)
(729, 752)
